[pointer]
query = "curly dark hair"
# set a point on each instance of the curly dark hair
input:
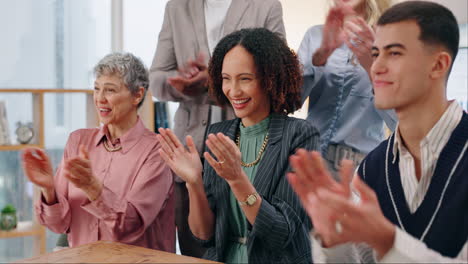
(276, 64)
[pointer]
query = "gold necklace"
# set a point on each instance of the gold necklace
(262, 149)
(109, 148)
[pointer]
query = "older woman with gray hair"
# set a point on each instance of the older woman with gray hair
(112, 183)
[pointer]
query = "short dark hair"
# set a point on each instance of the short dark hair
(437, 23)
(277, 67)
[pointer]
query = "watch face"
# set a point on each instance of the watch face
(251, 199)
(24, 134)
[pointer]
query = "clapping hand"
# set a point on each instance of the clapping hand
(333, 35)
(337, 219)
(185, 162)
(311, 174)
(78, 171)
(37, 167)
(228, 156)
(360, 38)
(193, 77)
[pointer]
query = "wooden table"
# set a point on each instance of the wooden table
(111, 252)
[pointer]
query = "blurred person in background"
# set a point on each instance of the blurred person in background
(336, 58)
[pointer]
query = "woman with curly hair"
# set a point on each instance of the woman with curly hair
(243, 208)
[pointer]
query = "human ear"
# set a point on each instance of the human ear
(138, 97)
(441, 65)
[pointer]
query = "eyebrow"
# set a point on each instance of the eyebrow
(389, 46)
(246, 73)
(107, 84)
(243, 73)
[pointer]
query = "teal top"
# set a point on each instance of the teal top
(251, 140)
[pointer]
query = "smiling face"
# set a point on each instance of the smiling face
(401, 71)
(113, 100)
(242, 87)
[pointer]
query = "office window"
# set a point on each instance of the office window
(458, 82)
(142, 23)
(46, 44)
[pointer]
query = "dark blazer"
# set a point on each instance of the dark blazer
(281, 230)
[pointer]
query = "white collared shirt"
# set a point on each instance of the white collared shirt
(215, 14)
(431, 146)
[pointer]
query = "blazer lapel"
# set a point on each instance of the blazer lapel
(232, 131)
(234, 15)
(266, 168)
(197, 13)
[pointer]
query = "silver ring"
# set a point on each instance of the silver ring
(221, 162)
(338, 227)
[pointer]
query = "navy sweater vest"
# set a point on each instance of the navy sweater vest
(449, 230)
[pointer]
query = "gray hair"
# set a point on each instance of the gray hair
(129, 67)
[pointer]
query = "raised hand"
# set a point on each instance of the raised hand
(193, 77)
(337, 219)
(37, 167)
(78, 171)
(359, 222)
(333, 35)
(360, 38)
(228, 155)
(311, 174)
(185, 162)
(333, 29)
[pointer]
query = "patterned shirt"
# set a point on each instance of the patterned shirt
(431, 146)
(405, 247)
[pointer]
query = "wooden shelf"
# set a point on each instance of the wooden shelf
(146, 112)
(87, 91)
(18, 147)
(32, 228)
(27, 228)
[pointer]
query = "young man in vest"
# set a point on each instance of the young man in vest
(413, 206)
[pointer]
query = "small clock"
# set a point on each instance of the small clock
(24, 132)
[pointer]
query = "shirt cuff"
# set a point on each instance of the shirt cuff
(338, 254)
(53, 212)
(106, 206)
(403, 247)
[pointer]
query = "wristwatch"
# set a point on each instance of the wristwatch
(250, 200)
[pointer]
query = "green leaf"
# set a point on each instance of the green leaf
(9, 209)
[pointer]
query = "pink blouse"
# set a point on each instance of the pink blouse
(136, 205)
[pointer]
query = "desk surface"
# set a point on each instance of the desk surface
(111, 252)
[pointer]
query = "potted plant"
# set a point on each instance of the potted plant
(8, 219)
